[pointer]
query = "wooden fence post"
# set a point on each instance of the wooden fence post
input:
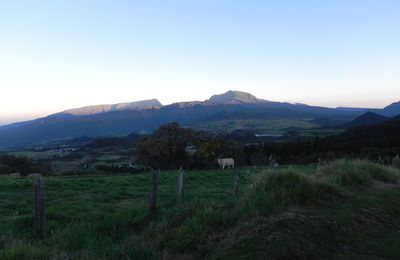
(40, 213)
(181, 189)
(272, 162)
(153, 195)
(396, 162)
(319, 164)
(236, 178)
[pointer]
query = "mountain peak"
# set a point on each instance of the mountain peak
(234, 97)
(98, 109)
(368, 118)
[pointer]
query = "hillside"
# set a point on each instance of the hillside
(392, 109)
(388, 130)
(369, 118)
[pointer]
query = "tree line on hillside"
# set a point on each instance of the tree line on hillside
(171, 147)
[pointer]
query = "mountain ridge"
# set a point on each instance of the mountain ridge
(231, 97)
(392, 109)
(105, 108)
(148, 115)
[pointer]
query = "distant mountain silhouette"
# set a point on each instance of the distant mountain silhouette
(391, 110)
(353, 109)
(385, 131)
(15, 125)
(148, 115)
(369, 118)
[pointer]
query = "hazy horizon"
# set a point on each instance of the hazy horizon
(62, 55)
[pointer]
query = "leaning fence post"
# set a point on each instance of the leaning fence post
(40, 214)
(319, 164)
(236, 179)
(396, 162)
(181, 180)
(153, 195)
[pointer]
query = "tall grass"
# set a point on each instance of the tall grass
(20, 250)
(193, 228)
(272, 189)
(357, 173)
(278, 188)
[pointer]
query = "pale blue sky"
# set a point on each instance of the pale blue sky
(56, 55)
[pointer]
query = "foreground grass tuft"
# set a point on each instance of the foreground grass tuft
(279, 188)
(357, 174)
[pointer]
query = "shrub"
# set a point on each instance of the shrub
(21, 164)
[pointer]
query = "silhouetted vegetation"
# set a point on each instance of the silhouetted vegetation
(19, 164)
(172, 147)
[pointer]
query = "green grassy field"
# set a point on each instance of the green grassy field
(272, 126)
(347, 211)
(73, 203)
(304, 127)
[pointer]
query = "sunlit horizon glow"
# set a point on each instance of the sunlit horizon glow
(57, 55)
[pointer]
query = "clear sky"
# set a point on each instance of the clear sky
(56, 55)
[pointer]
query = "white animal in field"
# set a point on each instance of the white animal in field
(16, 174)
(226, 162)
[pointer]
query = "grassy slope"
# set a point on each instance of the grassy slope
(354, 214)
(367, 226)
(293, 216)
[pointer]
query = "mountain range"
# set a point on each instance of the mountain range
(148, 115)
